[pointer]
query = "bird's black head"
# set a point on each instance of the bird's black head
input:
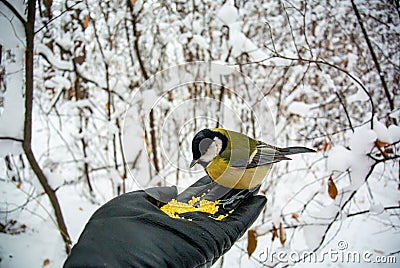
(206, 145)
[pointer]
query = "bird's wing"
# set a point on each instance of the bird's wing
(236, 157)
(264, 155)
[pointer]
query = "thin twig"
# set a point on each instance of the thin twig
(56, 17)
(345, 109)
(368, 211)
(11, 138)
(14, 11)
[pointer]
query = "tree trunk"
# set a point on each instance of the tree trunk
(27, 144)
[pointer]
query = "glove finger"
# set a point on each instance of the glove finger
(210, 190)
(162, 194)
(196, 189)
(245, 214)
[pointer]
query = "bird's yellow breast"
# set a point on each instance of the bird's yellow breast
(238, 178)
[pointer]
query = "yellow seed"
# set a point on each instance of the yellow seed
(175, 208)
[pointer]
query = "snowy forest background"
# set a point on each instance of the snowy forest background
(324, 74)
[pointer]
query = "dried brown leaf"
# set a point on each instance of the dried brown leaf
(85, 22)
(381, 144)
(389, 150)
(295, 216)
(332, 190)
(282, 234)
(251, 242)
(46, 262)
(326, 145)
(274, 232)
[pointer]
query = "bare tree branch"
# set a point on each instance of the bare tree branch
(14, 11)
(373, 55)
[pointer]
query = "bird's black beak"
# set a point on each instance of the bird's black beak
(194, 162)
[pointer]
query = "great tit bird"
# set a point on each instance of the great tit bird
(235, 160)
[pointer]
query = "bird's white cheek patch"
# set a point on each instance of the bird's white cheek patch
(218, 143)
(211, 153)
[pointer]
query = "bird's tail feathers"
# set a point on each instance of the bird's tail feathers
(280, 157)
(295, 150)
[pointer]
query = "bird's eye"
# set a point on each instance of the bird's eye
(204, 145)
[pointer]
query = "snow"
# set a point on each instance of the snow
(342, 159)
(12, 123)
(394, 132)
(60, 64)
(258, 55)
(363, 140)
(382, 132)
(395, 114)
(58, 83)
(228, 14)
(240, 44)
(376, 208)
(300, 108)
(360, 95)
(198, 39)
(65, 41)
(41, 240)
(24, 250)
(313, 235)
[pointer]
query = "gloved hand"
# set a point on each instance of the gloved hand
(132, 231)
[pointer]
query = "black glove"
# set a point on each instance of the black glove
(132, 231)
